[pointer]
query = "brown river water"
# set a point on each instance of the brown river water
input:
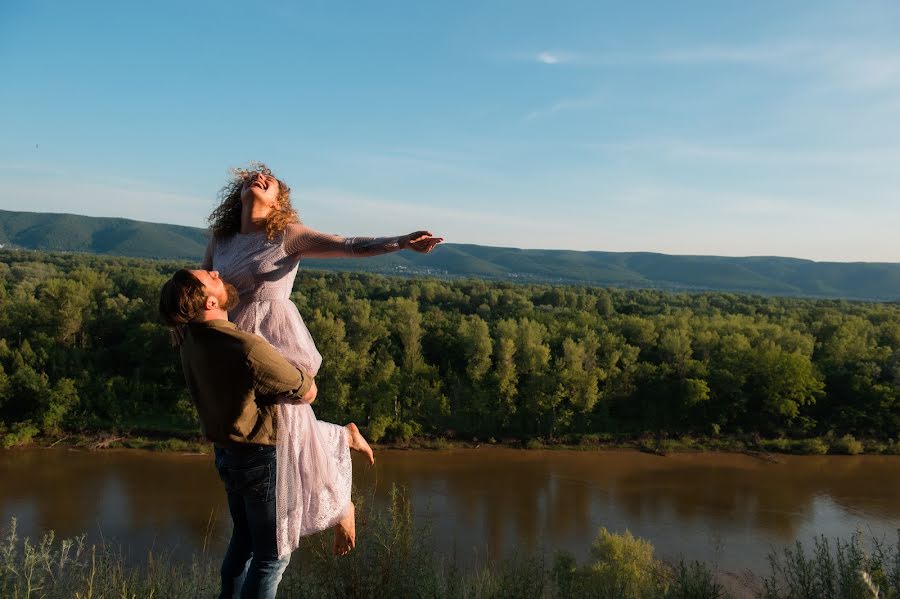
(726, 509)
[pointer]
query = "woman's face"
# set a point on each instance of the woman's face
(262, 189)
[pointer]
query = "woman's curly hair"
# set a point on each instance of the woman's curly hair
(225, 220)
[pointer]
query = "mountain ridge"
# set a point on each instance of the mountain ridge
(766, 275)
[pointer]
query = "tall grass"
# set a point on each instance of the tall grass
(839, 569)
(395, 558)
(70, 568)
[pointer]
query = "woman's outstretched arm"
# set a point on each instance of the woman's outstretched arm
(302, 240)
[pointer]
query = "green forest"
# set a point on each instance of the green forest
(82, 352)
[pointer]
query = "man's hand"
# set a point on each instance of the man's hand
(310, 395)
(422, 241)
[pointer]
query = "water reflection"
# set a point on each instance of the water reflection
(485, 502)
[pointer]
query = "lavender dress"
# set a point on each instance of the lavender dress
(314, 471)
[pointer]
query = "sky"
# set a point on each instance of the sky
(723, 128)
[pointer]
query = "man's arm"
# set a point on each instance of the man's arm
(275, 376)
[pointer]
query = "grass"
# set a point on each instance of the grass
(842, 569)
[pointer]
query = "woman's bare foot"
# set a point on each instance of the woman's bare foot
(345, 532)
(358, 442)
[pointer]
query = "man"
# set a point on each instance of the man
(234, 379)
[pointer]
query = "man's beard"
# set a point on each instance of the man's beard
(232, 298)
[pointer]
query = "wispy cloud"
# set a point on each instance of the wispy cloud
(859, 65)
(548, 57)
(679, 149)
(566, 104)
(862, 65)
(552, 57)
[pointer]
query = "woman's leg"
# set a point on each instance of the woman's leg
(345, 532)
(358, 443)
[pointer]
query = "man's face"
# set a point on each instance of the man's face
(226, 295)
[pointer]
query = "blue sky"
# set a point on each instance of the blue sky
(728, 128)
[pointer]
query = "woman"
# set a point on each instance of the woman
(256, 245)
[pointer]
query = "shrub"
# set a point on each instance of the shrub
(781, 445)
(814, 446)
(403, 431)
(21, 433)
(378, 427)
(848, 445)
(624, 565)
(589, 439)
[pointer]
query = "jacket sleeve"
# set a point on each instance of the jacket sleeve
(274, 376)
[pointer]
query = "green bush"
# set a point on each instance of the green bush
(378, 427)
(403, 431)
(848, 445)
(624, 565)
(21, 433)
(780, 445)
(814, 446)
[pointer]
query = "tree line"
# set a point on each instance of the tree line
(82, 350)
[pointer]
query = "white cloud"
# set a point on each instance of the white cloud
(854, 65)
(549, 58)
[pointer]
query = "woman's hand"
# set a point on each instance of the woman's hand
(422, 241)
(310, 395)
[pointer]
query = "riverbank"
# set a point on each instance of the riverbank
(767, 449)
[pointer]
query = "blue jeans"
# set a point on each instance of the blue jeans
(251, 565)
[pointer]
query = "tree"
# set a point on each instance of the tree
(337, 358)
(578, 376)
(477, 346)
(506, 375)
(59, 402)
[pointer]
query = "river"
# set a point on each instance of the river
(726, 509)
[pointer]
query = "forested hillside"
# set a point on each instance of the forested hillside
(81, 350)
(764, 275)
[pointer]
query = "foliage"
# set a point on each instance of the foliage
(81, 351)
(21, 433)
(847, 445)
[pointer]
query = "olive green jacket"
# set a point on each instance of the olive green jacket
(234, 379)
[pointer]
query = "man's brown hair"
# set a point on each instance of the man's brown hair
(181, 298)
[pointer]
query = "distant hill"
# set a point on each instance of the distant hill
(117, 236)
(762, 275)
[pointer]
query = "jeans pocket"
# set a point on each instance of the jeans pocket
(253, 483)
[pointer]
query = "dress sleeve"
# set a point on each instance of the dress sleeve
(301, 240)
(207, 263)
